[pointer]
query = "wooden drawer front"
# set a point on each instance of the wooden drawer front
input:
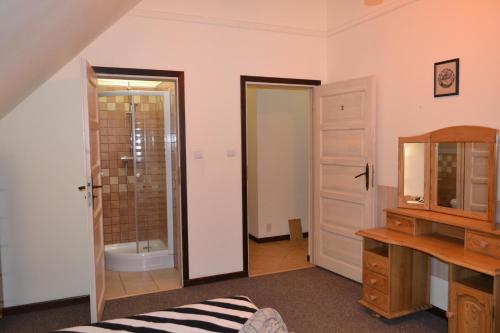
(376, 281)
(400, 223)
(375, 263)
(483, 243)
(376, 298)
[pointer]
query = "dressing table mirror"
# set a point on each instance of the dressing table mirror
(451, 171)
(463, 172)
(414, 168)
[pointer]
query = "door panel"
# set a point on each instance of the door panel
(470, 310)
(342, 107)
(343, 144)
(341, 213)
(337, 255)
(94, 192)
(336, 178)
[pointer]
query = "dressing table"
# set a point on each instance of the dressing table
(446, 210)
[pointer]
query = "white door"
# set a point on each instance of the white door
(343, 148)
(93, 187)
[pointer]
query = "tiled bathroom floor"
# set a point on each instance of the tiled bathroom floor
(279, 256)
(123, 284)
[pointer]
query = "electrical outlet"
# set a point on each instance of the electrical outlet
(268, 227)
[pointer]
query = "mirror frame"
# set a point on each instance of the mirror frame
(466, 134)
(425, 139)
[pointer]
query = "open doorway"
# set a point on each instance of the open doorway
(278, 173)
(137, 188)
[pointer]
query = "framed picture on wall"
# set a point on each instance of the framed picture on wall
(446, 77)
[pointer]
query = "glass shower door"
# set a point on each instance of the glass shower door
(150, 173)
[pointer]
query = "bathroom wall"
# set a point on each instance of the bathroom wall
(123, 193)
(117, 176)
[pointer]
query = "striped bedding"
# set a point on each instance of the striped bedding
(225, 315)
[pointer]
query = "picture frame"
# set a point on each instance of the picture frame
(447, 78)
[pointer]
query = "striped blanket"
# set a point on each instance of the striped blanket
(225, 315)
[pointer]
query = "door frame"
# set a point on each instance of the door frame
(181, 139)
(271, 81)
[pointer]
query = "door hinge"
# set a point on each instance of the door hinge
(90, 196)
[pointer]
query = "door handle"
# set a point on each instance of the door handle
(367, 176)
(83, 187)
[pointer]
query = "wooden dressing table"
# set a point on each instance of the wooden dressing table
(447, 200)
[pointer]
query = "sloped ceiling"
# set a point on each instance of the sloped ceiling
(38, 37)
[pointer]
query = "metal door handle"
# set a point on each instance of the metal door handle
(367, 176)
(83, 187)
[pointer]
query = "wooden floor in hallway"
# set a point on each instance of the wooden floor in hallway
(278, 256)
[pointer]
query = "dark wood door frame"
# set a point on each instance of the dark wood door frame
(179, 75)
(244, 80)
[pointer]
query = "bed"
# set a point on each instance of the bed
(237, 314)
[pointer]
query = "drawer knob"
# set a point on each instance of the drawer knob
(372, 281)
(398, 223)
(483, 244)
(372, 297)
(372, 265)
(449, 314)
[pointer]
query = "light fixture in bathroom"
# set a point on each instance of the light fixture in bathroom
(128, 83)
(373, 2)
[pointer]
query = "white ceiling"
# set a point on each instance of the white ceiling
(37, 37)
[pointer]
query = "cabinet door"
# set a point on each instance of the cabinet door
(470, 310)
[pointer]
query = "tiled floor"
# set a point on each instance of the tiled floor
(123, 284)
(280, 256)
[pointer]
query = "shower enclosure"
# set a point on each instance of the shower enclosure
(138, 135)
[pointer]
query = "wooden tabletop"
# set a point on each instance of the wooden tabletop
(447, 249)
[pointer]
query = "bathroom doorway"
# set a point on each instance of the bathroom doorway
(142, 180)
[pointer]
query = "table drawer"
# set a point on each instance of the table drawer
(483, 243)
(401, 223)
(375, 263)
(376, 298)
(376, 281)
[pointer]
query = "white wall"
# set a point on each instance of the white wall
(44, 235)
(279, 151)
(400, 48)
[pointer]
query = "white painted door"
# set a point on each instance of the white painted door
(93, 187)
(343, 148)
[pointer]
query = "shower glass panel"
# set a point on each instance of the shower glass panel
(140, 131)
(151, 161)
